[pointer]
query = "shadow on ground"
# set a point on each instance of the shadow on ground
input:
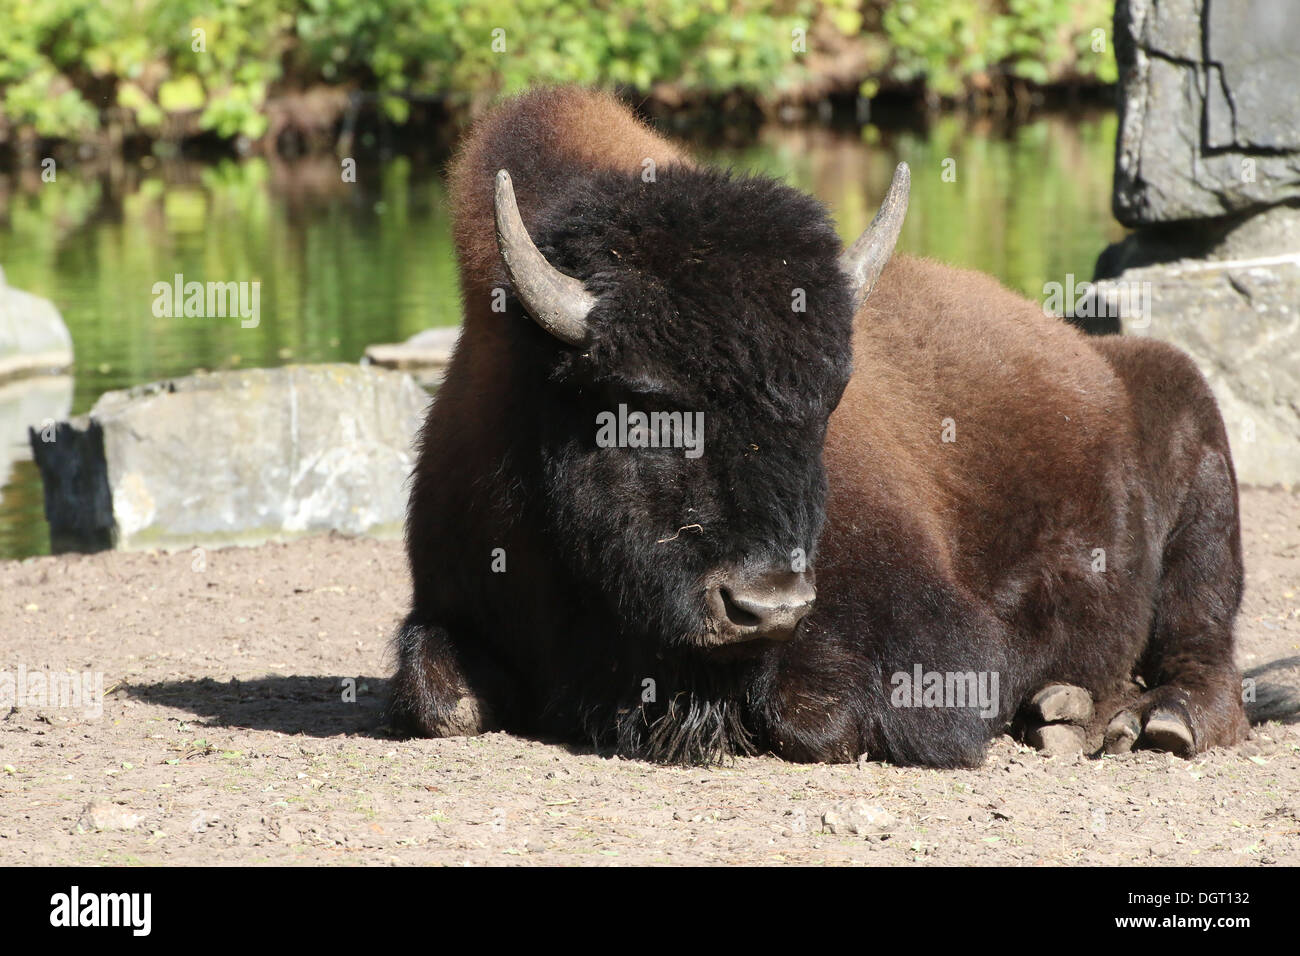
(337, 706)
(315, 706)
(1276, 688)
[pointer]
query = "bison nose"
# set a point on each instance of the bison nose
(767, 607)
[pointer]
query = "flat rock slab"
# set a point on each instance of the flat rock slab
(33, 338)
(234, 458)
(425, 355)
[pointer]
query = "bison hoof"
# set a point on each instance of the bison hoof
(1122, 732)
(1053, 719)
(1057, 703)
(470, 717)
(1056, 738)
(1164, 730)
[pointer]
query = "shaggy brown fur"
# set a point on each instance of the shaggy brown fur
(1064, 444)
(975, 554)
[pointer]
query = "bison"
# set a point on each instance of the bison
(905, 473)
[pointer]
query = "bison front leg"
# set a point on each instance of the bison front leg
(837, 691)
(812, 715)
(438, 690)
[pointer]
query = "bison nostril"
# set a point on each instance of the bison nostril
(737, 612)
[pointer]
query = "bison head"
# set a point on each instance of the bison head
(691, 336)
(700, 337)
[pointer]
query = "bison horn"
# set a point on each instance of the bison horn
(558, 303)
(865, 259)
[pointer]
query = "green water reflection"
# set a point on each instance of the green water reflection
(343, 265)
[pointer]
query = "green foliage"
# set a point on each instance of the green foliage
(502, 46)
(951, 43)
(173, 66)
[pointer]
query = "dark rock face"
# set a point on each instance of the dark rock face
(78, 502)
(1245, 236)
(1209, 109)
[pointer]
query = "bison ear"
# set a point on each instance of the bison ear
(864, 260)
(558, 303)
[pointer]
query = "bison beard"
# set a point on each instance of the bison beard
(948, 460)
(704, 724)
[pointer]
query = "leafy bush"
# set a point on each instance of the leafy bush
(949, 43)
(168, 67)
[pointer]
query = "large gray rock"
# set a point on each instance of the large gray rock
(33, 338)
(235, 458)
(1240, 322)
(1209, 108)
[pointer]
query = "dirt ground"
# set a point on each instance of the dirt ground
(228, 736)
